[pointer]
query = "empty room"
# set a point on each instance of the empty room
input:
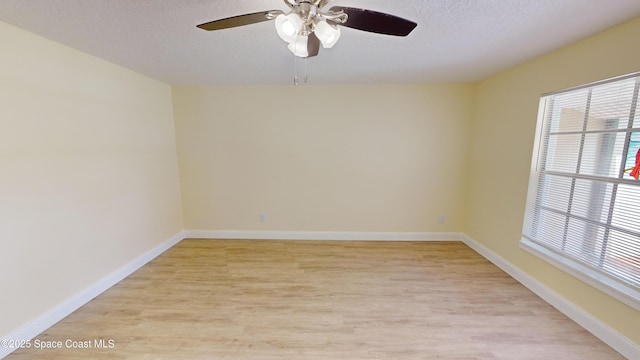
(312, 179)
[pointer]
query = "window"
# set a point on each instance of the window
(583, 205)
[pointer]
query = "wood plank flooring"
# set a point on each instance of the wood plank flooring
(245, 299)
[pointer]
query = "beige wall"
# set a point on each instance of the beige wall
(88, 172)
(323, 158)
(502, 141)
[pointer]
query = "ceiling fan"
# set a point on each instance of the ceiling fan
(306, 26)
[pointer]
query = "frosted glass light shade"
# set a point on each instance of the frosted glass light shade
(299, 46)
(288, 26)
(327, 33)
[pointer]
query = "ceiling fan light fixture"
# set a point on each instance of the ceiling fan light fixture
(310, 24)
(327, 33)
(299, 47)
(288, 26)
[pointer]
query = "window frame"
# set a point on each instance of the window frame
(609, 284)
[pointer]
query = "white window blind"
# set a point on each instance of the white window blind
(583, 206)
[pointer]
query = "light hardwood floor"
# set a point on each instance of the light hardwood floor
(241, 299)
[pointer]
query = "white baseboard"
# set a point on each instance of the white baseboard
(611, 337)
(323, 235)
(46, 320)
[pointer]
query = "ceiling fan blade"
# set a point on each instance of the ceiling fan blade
(376, 22)
(240, 20)
(313, 45)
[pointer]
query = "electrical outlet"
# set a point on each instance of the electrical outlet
(263, 218)
(441, 219)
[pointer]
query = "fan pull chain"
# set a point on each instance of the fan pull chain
(305, 78)
(295, 70)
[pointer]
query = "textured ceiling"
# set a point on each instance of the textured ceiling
(456, 40)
